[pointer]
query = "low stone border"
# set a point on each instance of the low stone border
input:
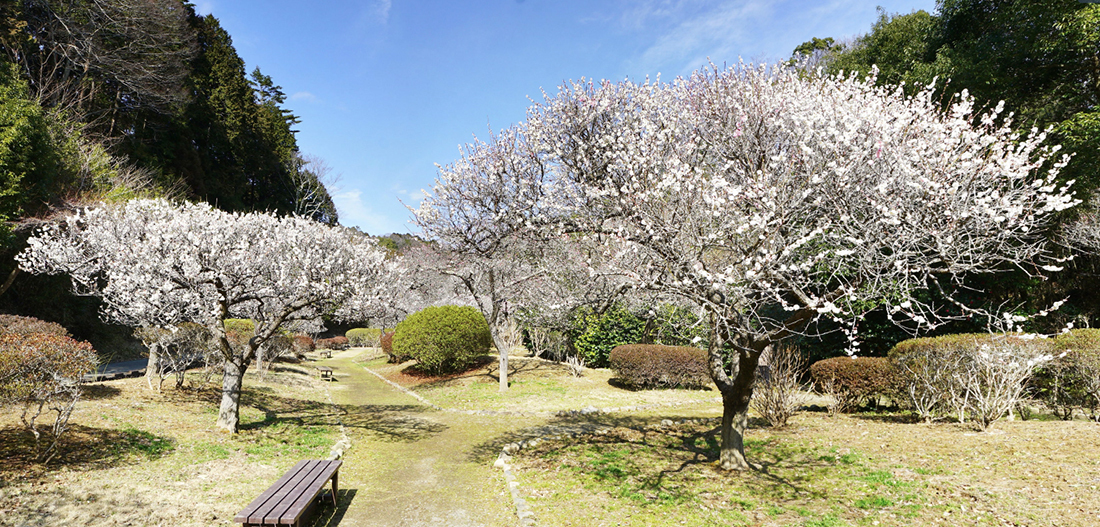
(344, 443)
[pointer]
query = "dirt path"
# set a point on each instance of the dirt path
(410, 465)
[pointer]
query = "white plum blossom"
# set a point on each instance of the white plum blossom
(772, 199)
(157, 263)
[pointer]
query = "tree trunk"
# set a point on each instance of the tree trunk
(502, 348)
(736, 388)
(152, 368)
(735, 417)
(229, 414)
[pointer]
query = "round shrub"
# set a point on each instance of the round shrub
(239, 331)
(443, 339)
(15, 324)
(855, 380)
(365, 337)
(655, 366)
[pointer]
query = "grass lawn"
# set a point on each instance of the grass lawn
(535, 386)
(136, 457)
(822, 471)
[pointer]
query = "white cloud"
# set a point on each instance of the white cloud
(303, 96)
(354, 212)
(411, 198)
(717, 34)
(688, 33)
(204, 8)
(382, 10)
(377, 12)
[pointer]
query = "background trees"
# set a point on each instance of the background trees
(156, 263)
(114, 100)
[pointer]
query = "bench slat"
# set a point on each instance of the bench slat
(280, 488)
(284, 502)
(279, 514)
(309, 491)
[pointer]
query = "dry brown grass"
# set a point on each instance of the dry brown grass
(136, 457)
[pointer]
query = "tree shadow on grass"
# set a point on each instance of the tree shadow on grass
(659, 462)
(81, 448)
(97, 392)
(891, 417)
(396, 423)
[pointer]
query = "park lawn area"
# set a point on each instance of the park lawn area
(535, 386)
(821, 471)
(137, 457)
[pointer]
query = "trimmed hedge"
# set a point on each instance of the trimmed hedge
(443, 338)
(364, 337)
(654, 365)
(854, 381)
(1072, 379)
(334, 343)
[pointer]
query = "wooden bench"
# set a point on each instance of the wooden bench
(326, 372)
(291, 499)
(326, 353)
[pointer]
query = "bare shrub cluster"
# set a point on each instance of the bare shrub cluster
(778, 393)
(979, 376)
(173, 349)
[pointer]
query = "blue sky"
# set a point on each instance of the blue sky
(387, 88)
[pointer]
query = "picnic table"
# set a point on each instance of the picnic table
(326, 372)
(292, 499)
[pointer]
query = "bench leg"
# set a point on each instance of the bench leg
(335, 486)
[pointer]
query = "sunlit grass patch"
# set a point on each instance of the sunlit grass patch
(659, 475)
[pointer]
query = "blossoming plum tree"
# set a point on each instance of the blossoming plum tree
(153, 262)
(772, 199)
(480, 212)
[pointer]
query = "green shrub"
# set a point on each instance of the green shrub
(365, 337)
(854, 381)
(654, 366)
(27, 325)
(442, 339)
(594, 335)
(239, 331)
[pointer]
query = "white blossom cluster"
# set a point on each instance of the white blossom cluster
(826, 194)
(157, 263)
